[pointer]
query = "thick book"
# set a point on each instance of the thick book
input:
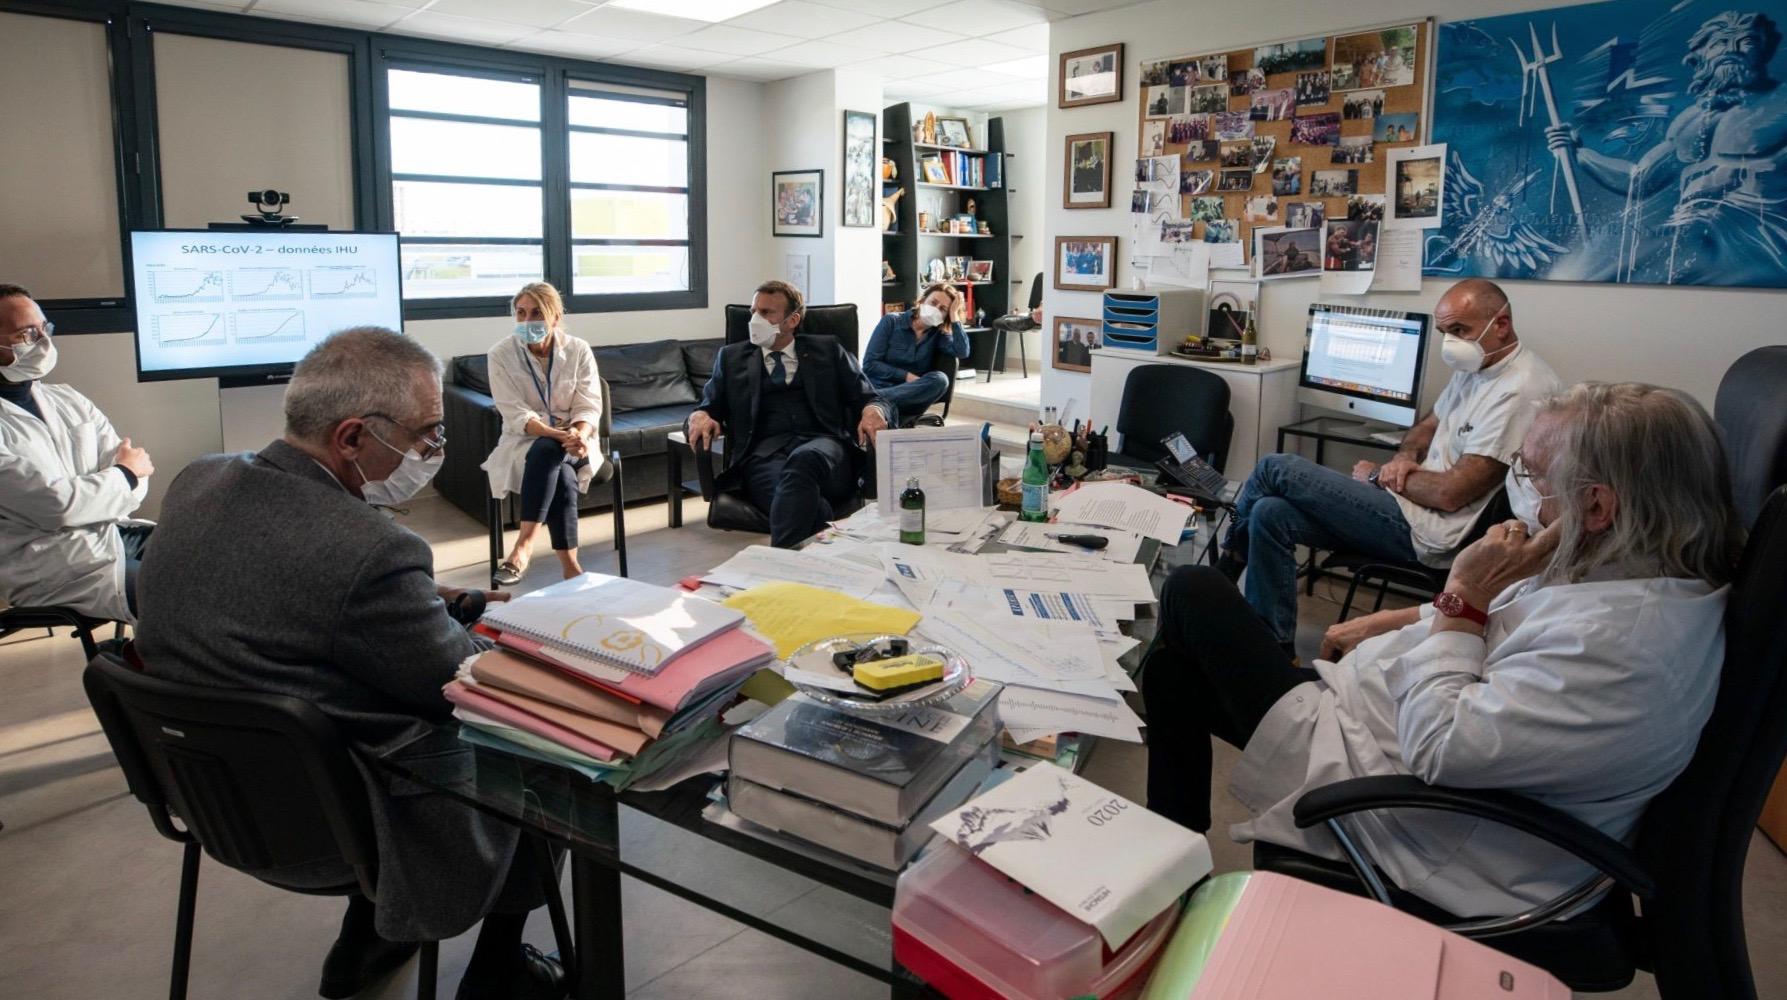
(640, 627)
(880, 766)
(724, 661)
(1103, 859)
(878, 844)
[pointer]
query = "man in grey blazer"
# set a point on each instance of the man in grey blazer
(274, 572)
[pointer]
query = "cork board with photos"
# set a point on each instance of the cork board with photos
(1271, 135)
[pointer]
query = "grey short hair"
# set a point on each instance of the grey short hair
(365, 369)
(1659, 452)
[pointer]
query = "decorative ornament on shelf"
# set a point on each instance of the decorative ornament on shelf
(888, 215)
(890, 171)
(969, 209)
(928, 129)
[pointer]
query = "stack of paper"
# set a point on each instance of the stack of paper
(1120, 505)
(790, 615)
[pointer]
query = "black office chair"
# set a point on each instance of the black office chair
(1161, 399)
(23, 619)
(261, 782)
(1753, 426)
(1019, 324)
(840, 321)
(1414, 578)
(1688, 860)
(504, 511)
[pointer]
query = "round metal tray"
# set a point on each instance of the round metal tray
(815, 657)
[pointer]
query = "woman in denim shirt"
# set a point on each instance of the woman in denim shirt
(898, 361)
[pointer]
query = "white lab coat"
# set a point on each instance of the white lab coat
(1588, 697)
(576, 394)
(61, 500)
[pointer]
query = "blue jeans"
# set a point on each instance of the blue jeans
(909, 399)
(1290, 500)
(549, 491)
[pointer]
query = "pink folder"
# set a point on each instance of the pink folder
(481, 703)
(1288, 940)
(726, 657)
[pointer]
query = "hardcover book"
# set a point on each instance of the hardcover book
(881, 767)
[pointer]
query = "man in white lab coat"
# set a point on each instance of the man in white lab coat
(68, 483)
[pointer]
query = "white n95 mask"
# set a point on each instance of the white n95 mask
(1467, 356)
(763, 332)
(31, 361)
(932, 315)
(404, 482)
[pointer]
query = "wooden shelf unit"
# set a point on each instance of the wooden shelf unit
(903, 249)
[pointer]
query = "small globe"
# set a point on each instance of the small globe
(1056, 443)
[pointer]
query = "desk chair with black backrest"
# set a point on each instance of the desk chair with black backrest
(1687, 862)
(730, 510)
(841, 322)
(1161, 399)
(1753, 426)
(1414, 578)
(261, 782)
(24, 619)
(1019, 324)
(610, 473)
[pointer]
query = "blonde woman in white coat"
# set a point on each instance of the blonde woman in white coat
(549, 394)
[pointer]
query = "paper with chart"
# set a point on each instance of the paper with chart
(757, 564)
(1120, 505)
(946, 461)
(1036, 653)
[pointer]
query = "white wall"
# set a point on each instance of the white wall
(1026, 140)
(1679, 337)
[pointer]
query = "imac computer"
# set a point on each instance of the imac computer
(1364, 362)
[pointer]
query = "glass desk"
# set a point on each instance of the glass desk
(1341, 430)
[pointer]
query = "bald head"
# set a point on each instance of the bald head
(1476, 308)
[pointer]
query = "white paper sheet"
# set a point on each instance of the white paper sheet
(1061, 712)
(946, 461)
(1122, 545)
(761, 564)
(1120, 505)
(1399, 260)
(1346, 282)
(1229, 255)
(1036, 653)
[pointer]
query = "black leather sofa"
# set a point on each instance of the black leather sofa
(651, 389)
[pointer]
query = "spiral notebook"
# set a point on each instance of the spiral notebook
(636, 626)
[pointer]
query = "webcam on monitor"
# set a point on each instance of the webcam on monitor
(267, 203)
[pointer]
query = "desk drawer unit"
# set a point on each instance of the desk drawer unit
(1151, 322)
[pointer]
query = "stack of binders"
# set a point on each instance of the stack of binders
(598, 672)
(865, 786)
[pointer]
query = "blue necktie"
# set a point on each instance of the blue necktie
(777, 374)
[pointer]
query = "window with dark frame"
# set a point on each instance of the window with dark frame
(629, 188)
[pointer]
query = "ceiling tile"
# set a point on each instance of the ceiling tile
(353, 13)
(533, 13)
(459, 29)
(1074, 8)
(1028, 68)
(616, 23)
(905, 90)
(799, 19)
(675, 57)
(736, 41)
(978, 17)
(1034, 37)
(902, 67)
(569, 43)
(823, 55)
(894, 36)
(974, 52)
(1025, 90)
(958, 79)
(881, 8)
(764, 70)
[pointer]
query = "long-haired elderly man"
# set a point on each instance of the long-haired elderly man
(274, 572)
(1574, 665)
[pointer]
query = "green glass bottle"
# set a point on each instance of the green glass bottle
(1036, 482)
(912, 513)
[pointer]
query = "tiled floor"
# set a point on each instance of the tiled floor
(87, 889)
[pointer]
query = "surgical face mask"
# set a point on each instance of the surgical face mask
(763, 332)
(931, 315)
(1524, 499)
(404, 482)
(531, 332)
(31, 361)
(1464, 355)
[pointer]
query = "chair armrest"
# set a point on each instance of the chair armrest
(704, 466)
(1609, 856)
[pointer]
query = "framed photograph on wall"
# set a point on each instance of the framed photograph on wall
(797, 199)
(1085, 263)
(1075, 340)
(1087, 183)
(860, 160)
(1090, 76)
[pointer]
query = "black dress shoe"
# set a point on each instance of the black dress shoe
(354, 965)
(536, 977)
(1229, 566)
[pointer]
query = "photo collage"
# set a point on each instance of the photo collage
(1255, 130)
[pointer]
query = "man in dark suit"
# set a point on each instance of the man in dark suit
(273, 572)
(791, 408)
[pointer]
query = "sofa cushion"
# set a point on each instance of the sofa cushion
(471, 371)
(643, 432)
(698, 357)
(645, 375)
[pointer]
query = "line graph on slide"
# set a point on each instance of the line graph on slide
(269, 326)
(180, 285)
(266, 284)
(189, 329)
(343, 283)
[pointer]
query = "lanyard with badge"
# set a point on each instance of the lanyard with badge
(545, 399)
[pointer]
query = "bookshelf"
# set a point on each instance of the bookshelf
(908, 251)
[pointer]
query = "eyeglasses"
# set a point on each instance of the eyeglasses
(433, 438)
(1520, 471)
(29, 334)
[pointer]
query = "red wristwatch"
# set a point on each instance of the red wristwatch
(1453, 606)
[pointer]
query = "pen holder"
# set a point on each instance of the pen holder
(1098, 452)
